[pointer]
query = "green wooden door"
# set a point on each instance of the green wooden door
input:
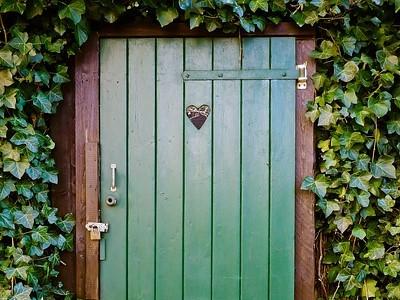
(201, 214)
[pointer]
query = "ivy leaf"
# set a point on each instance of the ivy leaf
(259, 22)
(319, 80)
(20, 42)
(384, 167)
(349, 71)
(363, 198)
(62, 75)
(369, 289)
(393, 125)
(358, 232)
(5, 80)
(360, 180)
(6, 187)
(24, 189)
(394, 290)
(311, 17)
(42, 76)
(73, 11)
(19, 257)
(17, 6)
(67, 224)
(26, 217)
(40, 235)
(33, 172)
(6, 59)
(376, 250)
(165, 16)
(349, 97)
(195, 21)
(19, 272)
(247, 24)
(81, 33)
(55, 94)
(185, 4)
(31, 142)
(41, 101)
(328, 207)
(349, 44)
(380, 106)
(386, 203)
(326, 116)
(343, 223)
(21, 292)
(8, 99)
(258, 4)
(318, 185)
(328, 50)
(6, 219)
(16, 168)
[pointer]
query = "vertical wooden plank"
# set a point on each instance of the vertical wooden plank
(92, 208)
(169, 171)
(226, 174)
(86, 130)
(282, 173)
(113, 135)
(305, 164)
(255, 172)
(62, 131)
(141, 164)
(197, 162)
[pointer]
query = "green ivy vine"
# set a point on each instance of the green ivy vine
(356, 111)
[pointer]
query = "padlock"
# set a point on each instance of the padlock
(95, 234)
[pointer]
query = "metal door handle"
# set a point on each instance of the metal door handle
(113, 171)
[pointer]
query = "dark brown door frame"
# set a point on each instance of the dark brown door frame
(76, 131)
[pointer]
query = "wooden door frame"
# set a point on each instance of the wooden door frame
(76, 131)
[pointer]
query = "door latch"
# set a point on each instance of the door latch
(302, 79)
(95, 230)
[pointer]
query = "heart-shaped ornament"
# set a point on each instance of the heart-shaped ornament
(198, 115)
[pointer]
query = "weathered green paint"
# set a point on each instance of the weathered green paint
(255, 173)
(226, 174)
(113, 114)
(201, 214)
(282, 174)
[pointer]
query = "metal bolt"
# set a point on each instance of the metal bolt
(284, 74)
(187, 75)
(220, 75)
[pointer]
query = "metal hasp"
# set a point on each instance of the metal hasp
(249, 74)
(302, 79)
(95, 229)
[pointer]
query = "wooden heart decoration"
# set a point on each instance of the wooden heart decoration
(198, 115)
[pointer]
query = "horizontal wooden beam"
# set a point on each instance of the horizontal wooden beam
(142, 29)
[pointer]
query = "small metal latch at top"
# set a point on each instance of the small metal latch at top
(302, 79)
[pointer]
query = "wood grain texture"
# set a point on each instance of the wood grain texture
(86, 130)
(62, 131)
(226, 174)
(282, 175)
(197, 178)
(255, 177)
(92, 215)
(113, 149)
(146, 29)
(305, 164)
